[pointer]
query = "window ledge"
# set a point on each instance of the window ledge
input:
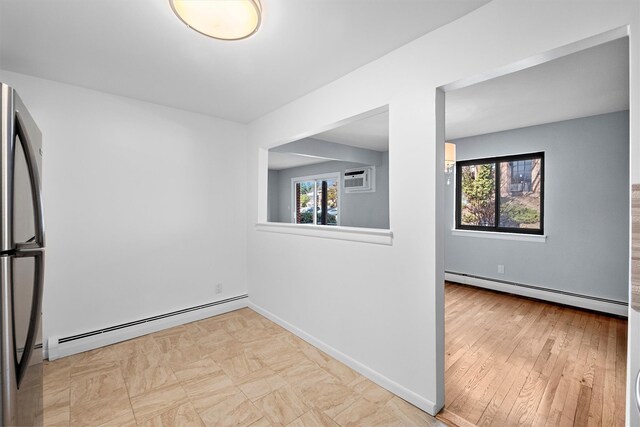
(500, 235)
(353, 234)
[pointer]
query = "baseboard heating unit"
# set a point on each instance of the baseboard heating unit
(619, 308)
(58, 347)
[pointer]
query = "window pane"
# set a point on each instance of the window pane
(478, 195)
(319, 201)
(520, 184)
(332, 202)
(304, 202)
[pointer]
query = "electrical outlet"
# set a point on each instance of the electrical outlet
(219, 288)
(500, 269)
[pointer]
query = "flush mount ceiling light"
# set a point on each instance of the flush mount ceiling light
(220, 19)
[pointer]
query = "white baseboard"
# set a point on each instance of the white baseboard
(590, 303)
(395, 388)
(55, 350)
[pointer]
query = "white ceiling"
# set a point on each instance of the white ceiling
(586, 83)
(278, 161)
(138, 48)
(371, 133)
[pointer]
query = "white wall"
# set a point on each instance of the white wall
(586, 209)
(141, 215)
(384, 310)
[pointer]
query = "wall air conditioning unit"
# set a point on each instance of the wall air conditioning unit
(360, 180)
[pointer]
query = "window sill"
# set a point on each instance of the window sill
(353, 234)
(500, 236)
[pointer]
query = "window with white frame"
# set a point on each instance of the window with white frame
(315, 199)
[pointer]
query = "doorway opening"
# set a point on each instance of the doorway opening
(536, 239)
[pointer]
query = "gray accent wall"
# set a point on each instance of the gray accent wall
(586, 209)
(369, 210)
(273, 197)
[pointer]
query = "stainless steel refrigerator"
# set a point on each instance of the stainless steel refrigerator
(21, 264)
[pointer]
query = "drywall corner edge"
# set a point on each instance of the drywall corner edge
(415, 399)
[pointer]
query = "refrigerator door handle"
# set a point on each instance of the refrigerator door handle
(638, 391)
(36, 309)
(34, 175)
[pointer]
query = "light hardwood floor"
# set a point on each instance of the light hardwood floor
(515, 361)
(235, 369)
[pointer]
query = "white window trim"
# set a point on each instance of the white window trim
(500, 235)
(331, 175)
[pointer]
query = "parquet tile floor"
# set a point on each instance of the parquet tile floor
(236, 369)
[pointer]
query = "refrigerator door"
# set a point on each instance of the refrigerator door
(28, 281)
(28, 219)
(21, 358)
(22, 264)
(24, 230)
